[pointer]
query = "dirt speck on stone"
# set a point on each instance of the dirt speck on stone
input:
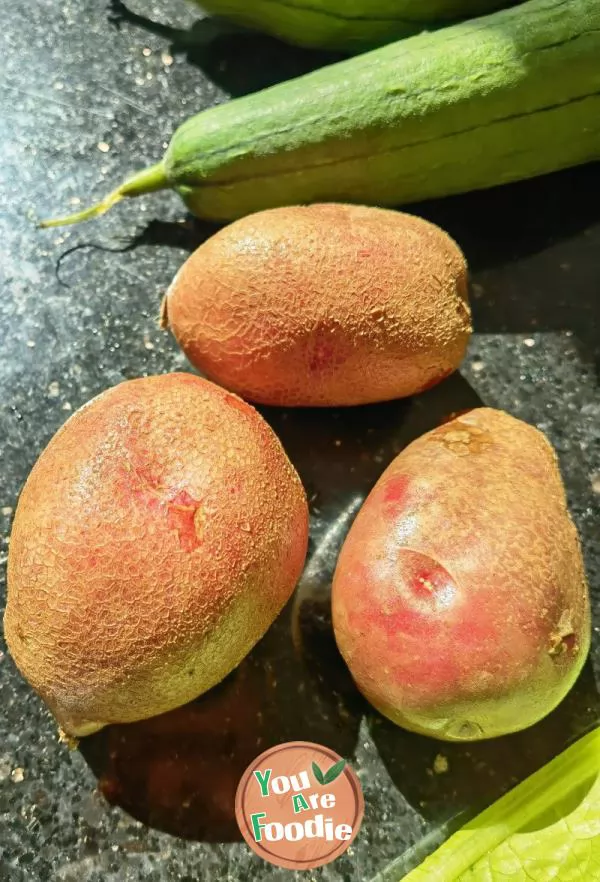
(440, 764)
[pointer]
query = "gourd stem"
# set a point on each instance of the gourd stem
(146, 181)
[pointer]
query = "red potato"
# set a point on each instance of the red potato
(156, 539)
(323, 305)
(460, 602)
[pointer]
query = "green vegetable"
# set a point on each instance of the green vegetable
(351, 25)
(533, 834)
(496, 99)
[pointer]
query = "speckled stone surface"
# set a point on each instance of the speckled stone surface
(89, 93)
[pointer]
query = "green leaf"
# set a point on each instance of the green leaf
(533, 833)
(334, 772)
(318, 773)
(566, 851)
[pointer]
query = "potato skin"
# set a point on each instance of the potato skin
(460, 602)
(323, 305)
(157, 537)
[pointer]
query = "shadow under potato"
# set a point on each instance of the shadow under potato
(340, 453)
(479, 772)
(179, 772)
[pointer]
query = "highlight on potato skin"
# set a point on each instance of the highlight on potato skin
(157, 537)
(323, 305)
(460, 601)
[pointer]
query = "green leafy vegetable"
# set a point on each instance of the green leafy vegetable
(533, 833)
(334, 772)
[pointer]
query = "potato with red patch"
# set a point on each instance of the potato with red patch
(460, 601)
(157, 537)
(323, 305)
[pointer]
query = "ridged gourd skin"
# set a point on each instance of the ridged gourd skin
(496, 99)
(323, 305)
(460, 602)
(347, 25)
(156, 539)
(500, 98)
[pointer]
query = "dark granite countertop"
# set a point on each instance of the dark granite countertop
(88, 94)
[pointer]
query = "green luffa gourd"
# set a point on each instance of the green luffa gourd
(496, 99)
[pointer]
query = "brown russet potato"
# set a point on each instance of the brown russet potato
(323, 305)
(460, 602)
(157, 537)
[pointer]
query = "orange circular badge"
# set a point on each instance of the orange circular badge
(299, 805)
